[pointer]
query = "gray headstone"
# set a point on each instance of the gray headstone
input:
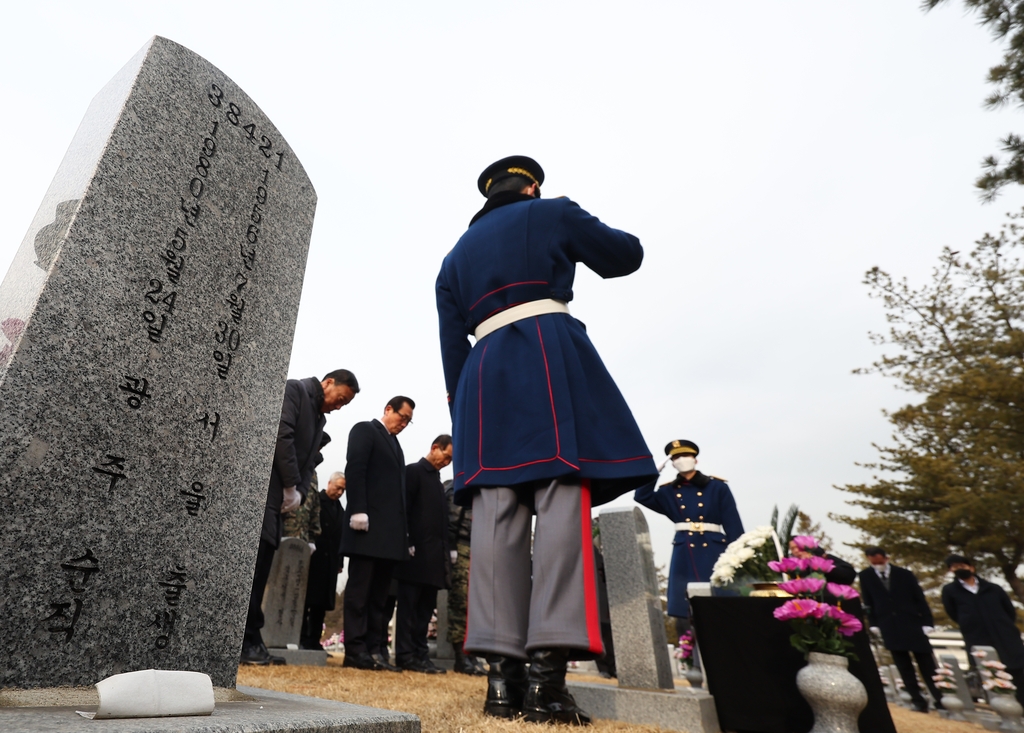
(638, 627)
(284, 600)
(444, 648)
(149, 315)
(962, 690)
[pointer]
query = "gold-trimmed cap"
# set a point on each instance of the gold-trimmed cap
(681, 448)
(514, 165)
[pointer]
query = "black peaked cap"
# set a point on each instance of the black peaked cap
(514, 165)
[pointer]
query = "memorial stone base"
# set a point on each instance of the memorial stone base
(684, 710)
(262, 712)
(301, 657)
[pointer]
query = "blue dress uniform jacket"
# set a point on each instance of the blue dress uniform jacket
(701, 499)
(533, 401)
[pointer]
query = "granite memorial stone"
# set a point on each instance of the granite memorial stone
(444, 654)
(147, 326)
(638, 626)
(646, 693)
(284, 600)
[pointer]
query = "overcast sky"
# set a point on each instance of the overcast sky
(765, 153)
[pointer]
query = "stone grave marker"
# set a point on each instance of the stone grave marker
(961, 683)
(646, 693)
(444, 654)
(147, 325)
(284, 600)
(638, 627)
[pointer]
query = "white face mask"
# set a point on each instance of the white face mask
(684, 464)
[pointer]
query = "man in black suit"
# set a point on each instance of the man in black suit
(325, 563)
(897, 608)
(986, 617)
(429, 569)
(378, 535)
(300, 435)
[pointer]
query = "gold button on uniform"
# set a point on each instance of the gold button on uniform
(705, 544)
(700, 493)
(700, 504)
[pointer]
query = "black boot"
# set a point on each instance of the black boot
(506, 686)
(463, 664)
(547, 699)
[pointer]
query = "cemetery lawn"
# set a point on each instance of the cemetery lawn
(453, 703)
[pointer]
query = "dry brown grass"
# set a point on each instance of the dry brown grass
(453, 703)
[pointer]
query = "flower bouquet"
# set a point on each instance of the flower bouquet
(684, 652)
(746, 560)
(994, 677)
(944, 678)
(815, 614)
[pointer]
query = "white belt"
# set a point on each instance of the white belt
(518, 313)
(699, 527)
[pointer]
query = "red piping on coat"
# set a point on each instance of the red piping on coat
(480, 417)
(617, 460)
(589, 572)
(505, 287)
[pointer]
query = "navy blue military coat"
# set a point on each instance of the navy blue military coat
(532, 401)
(701, 499)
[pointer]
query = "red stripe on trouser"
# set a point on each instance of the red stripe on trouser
(589, 572)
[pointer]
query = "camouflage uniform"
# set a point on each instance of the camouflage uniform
(304, 522)
(460, 520)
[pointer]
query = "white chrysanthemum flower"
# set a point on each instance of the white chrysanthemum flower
(757, 542)
(745, 554)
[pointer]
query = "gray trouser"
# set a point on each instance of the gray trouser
(512, 613)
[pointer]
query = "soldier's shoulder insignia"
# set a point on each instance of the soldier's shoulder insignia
(719, 478)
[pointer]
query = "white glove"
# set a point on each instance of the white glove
(360, 522)
(927, 629)
(292, 499)
(412, 552)
(312, 547)
(876, 630)
(455, 556)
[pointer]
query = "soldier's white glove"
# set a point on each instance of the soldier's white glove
(312, 547)
(291, 500)
(875, 630)
(455, 556)
(360, 522)
(927, 629)
(412, 552)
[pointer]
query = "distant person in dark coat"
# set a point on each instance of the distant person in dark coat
(300, 435)
(429, 570)
(897, 608)
(986, 617)
(377, 536)
(326, 562)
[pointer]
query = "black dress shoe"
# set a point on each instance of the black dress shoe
(361, 660)
(254, 654)
(464, 664)
(547, 698)
(270, 657)
(506, 687)
(424, 666)
(384, 664)
(920, 706)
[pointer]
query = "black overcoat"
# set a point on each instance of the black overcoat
(428, 528)
(322, 588)
(375, 484)
(300, 435)
(986, 619)
(899, 612)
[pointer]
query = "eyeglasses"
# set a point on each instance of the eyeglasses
(404, 419)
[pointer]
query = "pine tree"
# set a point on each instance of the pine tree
(953, 478)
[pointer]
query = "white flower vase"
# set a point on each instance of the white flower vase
(835, 695)
(953, 705)
(1009, 711)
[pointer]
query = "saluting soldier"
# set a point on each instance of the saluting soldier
(539, 428)
(706, 521)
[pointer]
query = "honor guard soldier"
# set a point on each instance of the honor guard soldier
(706, 521)
(539, 428)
